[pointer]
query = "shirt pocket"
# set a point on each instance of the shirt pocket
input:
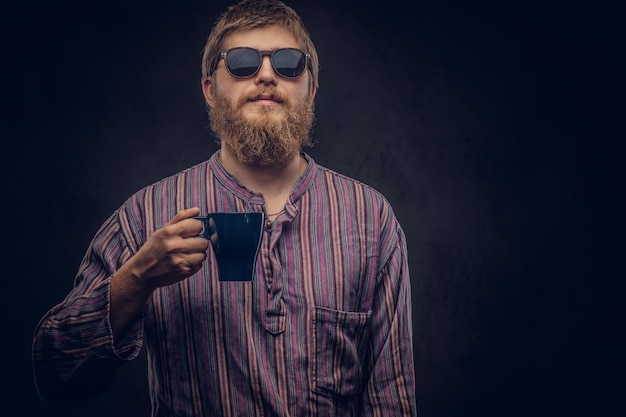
(337, 368)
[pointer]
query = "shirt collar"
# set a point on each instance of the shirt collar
(233, 185)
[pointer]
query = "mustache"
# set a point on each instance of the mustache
(264, 91)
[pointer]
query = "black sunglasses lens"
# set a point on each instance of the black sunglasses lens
(243, 62)
(289, 63)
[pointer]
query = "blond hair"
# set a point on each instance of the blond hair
(251, 14)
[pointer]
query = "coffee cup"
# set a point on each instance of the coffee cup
(236, 239)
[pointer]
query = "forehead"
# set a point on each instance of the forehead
(265, 38)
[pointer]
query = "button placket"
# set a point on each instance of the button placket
(275, 314)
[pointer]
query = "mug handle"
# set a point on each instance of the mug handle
(208, 226)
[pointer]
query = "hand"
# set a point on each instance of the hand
(172, 253)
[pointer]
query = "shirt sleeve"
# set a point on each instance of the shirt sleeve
(390, 389)
(74, 354)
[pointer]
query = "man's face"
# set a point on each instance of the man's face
(263, 120)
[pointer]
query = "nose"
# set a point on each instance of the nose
(266, 74)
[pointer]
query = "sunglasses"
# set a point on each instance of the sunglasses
(243, 62)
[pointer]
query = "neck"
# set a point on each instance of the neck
(275, 183)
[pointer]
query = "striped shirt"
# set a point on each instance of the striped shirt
(323, 329)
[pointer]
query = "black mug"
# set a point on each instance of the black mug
(236, 239)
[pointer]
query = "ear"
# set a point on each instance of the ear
(207, 90)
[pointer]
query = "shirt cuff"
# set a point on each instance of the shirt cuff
(129, 346)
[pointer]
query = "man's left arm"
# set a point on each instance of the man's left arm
(390, 388)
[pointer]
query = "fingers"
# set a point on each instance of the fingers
(183, 225)
(192, 263)
(185, 214)
(173, 252)
(195, 244)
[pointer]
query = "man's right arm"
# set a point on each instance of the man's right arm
(80, 343)
(167, 257)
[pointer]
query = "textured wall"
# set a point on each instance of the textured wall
(492, 130)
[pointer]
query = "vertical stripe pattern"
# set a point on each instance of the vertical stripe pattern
(324, 328)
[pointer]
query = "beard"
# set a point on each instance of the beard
(271, 137)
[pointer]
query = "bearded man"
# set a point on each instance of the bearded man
(322, 328)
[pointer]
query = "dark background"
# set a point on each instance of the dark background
(496, 132)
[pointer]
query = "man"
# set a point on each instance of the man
(323, 329)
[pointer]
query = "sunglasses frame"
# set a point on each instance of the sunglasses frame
(262, 54)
